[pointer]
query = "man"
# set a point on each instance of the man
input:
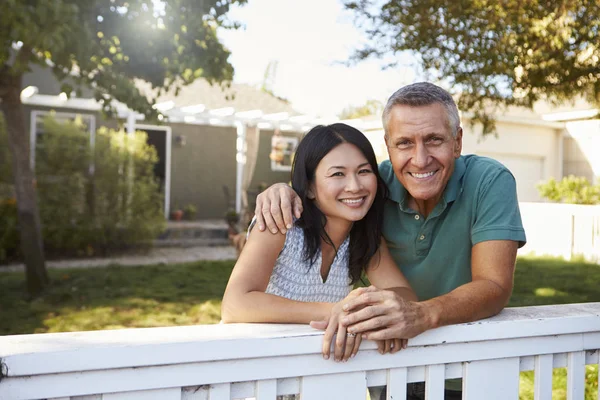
(452, 222)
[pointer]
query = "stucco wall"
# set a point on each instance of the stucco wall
(582, 149)
(201, 167)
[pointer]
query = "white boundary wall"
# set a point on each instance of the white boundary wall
(236, 361)
(564, 230)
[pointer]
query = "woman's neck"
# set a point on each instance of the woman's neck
(337, 230)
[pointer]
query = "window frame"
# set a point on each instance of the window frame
(275, 166)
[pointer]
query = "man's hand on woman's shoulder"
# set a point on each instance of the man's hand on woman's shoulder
(274, 208)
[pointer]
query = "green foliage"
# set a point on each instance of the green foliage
(108, 43)
(371, 107)
(511, 52)
(572, 189)
(190, 211)
(84, 213)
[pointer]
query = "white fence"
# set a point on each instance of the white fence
(564, 230)
(218, 362)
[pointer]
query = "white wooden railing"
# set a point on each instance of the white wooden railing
(263, 361)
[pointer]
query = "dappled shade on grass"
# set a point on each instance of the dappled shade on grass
(116, 297)
(541, 281)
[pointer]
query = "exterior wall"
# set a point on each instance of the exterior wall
(582, 149)
(201, 167)
(532, 153)
(263, 172)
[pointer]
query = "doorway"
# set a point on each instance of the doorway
(159, 137)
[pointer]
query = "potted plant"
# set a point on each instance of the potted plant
(189, 212)
(232, 217)
(177, 214)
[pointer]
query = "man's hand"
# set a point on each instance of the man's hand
(274, 208)
(384, 315)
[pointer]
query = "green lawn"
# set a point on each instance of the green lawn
(118, 297)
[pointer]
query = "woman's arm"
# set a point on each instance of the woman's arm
(245, 299)
(383, 273)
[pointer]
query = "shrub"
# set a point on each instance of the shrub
(572, 189)
(93, 200)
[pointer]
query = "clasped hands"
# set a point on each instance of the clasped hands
(370, 313)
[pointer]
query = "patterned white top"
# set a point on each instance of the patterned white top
(295, 278)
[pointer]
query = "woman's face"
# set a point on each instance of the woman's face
(345, 185)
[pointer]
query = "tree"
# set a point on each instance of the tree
(371, 107)
(104, 45)
(571, 189)
(499, 53)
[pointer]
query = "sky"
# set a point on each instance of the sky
(309, 40)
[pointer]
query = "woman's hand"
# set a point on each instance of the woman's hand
(391, 345)
(346, 344)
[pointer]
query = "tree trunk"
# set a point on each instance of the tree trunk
(24, 179)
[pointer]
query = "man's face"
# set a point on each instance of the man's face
(422, 150)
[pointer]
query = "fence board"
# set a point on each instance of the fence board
(491, 379)
(543, 377)
(349, 386)
(434, 382)
(159, 394)
(396, 384)
(576, 375)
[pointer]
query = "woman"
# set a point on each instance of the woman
(307, 274)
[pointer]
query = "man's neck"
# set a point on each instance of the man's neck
(423, 207)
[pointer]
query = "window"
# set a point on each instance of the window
(37, 130)
(282, 152)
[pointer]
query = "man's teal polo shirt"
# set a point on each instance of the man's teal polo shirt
(434, 253)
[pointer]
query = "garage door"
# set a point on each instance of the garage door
(528, 172)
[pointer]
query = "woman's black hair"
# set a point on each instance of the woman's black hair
(365, 234)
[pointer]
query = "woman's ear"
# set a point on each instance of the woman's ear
(311, 193)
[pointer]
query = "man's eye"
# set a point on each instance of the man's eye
(403, 143)
(436, 140)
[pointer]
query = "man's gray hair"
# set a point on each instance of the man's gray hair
(423, 94)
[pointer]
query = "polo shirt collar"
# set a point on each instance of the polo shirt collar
(398, 193)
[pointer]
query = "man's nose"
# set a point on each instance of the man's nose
(420, 157)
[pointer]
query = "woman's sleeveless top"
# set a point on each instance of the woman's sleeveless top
(296, 278)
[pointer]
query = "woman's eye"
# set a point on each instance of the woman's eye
(337, 174)
(365, 171)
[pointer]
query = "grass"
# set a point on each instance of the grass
(116, 297)
(121, 297)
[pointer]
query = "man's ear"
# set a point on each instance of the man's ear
(458, 142)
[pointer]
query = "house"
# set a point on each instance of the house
(215, 145)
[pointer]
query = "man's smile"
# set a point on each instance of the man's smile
(423, 175)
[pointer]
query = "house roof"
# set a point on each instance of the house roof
(241, 97)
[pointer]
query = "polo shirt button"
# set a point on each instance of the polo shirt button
(417, 217)
(422, 237)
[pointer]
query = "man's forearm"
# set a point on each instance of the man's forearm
(404, 292)
(469, 302)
